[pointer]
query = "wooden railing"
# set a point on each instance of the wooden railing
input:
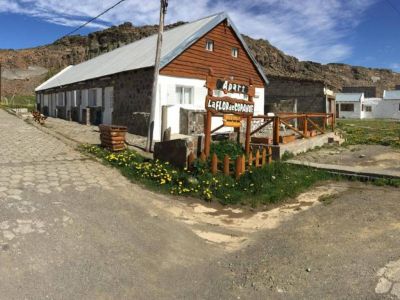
(258, 157)
(308, 124)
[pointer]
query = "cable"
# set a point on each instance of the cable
(91, 20)
(393, 6)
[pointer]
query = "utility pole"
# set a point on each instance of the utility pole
(0, 82)
(163, 11)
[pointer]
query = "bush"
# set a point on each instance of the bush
(271, 183)
(230, 148)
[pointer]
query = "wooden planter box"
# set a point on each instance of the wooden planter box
(287, 139)
(113, 137)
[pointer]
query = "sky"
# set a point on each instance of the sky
(357, 32)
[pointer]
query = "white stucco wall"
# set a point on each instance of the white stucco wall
(167, 96)
(356, 114)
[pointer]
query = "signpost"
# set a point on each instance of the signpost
(233, 110)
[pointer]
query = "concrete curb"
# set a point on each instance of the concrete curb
(349, 171)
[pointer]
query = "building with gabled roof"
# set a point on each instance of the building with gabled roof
(115, 87)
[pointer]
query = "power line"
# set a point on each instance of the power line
(91, 20)
(393, 6)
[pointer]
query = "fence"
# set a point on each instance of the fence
(257, 158)
(306, 125)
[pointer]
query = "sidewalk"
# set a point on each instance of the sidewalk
(359, 171)
(73, 132)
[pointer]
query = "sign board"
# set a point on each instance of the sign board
(232, 121)
(232, 109)
(228, 105)
(231, 87)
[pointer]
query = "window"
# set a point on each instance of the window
(184, 95)
(347, 107)
(77, 98)
(61, 99)
(368, 108)
(235, 52)
(93, 97)
(210, 45)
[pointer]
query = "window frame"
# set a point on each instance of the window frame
(346, 105)
(209, 42)
(94, 100)
(60, 99)
(183, 88)
(235, 50)
(368, 108)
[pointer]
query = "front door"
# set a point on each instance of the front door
(108, 105)
(337, 110)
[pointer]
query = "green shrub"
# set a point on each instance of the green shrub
(230, 148)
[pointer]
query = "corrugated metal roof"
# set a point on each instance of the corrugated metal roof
(348, 97)
(391, 95)
(141, 54)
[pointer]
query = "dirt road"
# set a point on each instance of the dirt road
(71, 228)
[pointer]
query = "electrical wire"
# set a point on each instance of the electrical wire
(393, 6)
(94, 18)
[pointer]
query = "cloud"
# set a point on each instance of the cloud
(395, 67)
(308, 29)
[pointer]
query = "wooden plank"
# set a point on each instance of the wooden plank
(293, 128)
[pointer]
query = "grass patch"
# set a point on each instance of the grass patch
(269, 184)
(28, 102)
(327, 199)
(370, 132)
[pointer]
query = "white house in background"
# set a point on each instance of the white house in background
(348, 105)
(356, 106)
(371, 108)
(391, 104)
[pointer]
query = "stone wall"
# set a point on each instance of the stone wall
(369, 91)
(289, 105)
(308, 93)
(191, 121)
(132, 100)
(132, 97)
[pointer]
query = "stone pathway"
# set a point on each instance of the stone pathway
(389, 281)
(34, 164)
(84, 134)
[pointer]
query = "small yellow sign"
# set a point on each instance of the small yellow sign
(232, 121)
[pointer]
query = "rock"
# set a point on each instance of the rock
(383, 286)
(308, 270)
(362, 156)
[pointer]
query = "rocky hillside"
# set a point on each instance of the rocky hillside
(25, 69)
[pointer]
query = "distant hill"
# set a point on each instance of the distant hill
(24, 69)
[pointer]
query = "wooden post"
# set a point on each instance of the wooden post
(324, 123)
(248, 131)
(251, 94)
(305, 126)
(264, 156)
(333, 122)
(276, 132)
(257, 158)
(214, 164)
(203, 157)
(226, 165)
(207, 134)
(243, 164)
(191, 159)
(269, 155)
(250, 159)
(238, 167)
